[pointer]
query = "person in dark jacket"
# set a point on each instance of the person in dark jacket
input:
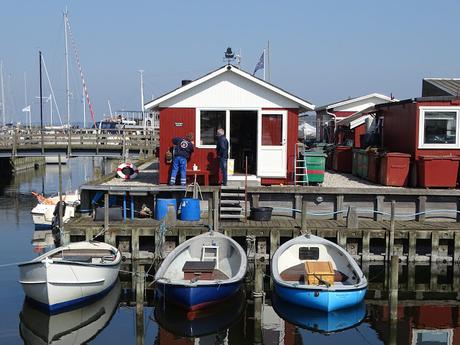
(183, 148)
(222, 154)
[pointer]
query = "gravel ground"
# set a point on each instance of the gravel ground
(333, 179)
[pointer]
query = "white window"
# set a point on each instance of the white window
(208, 121)
(439, 127)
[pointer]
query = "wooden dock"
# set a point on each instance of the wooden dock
(429, 241)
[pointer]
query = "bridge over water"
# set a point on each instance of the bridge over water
(77, 142)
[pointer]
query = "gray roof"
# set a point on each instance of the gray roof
(440, 87)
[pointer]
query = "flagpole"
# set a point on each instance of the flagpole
(264, 64)
(268, 60)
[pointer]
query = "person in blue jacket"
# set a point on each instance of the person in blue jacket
(183, 148)
(222, 154)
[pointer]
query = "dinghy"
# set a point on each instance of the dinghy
(315, 273)
(47, 210)
(70, 275)
(203, 270)
(318, 320)
(75, 326)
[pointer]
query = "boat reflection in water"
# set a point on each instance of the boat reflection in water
(212, 320)
(318, 320)
(76, 326)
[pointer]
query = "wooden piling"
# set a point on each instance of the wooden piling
(392, 229)
(140, 285)
(393, 290)
(352, 218)
(215, 208)
(106, 212)
(258, 300)
(274, 241)
(338, 207)
(303, 221)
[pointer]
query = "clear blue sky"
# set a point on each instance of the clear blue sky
(322, 51)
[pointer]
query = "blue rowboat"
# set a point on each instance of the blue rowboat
(318, 320)
(297, 279)
(203, 270)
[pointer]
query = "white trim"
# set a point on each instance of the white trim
(260, 147)
(198, 126)
(227, 110)
(421, 127)
(224, 69)
(357, 99)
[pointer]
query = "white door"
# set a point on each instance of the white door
(271, 152)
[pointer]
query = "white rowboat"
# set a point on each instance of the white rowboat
(70, 274)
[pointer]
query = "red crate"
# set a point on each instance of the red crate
(437, 171)
(394, 169)
(342, 159)
(373, 168)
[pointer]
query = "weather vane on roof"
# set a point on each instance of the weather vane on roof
(229, 55)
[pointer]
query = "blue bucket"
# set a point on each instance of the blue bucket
(161, 207)
(190, 209)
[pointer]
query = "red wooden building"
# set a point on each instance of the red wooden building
(427, 128)
(260, 122)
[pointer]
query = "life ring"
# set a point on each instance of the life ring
(127, 171)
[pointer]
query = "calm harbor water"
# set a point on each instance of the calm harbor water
(428, 311)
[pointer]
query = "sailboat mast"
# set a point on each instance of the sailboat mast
(3, 92)
(41, 90)
(142, 92)
(67, 88)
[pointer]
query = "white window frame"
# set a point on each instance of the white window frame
(198, 126)
(421, 129)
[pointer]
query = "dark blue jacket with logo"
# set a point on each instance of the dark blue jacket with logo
(182, 147)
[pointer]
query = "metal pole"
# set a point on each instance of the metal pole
(245, 188)
(3, 92)
(41, 92)
(141, 71)
(268, 61)
(265, 66)
(61, 224)
(41, 102)
(67, 68)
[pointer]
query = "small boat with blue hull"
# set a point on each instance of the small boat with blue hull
(203, 270)
(316, 273)
(70, 275)
(318, 320)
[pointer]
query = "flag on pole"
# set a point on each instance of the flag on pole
(26, 109)
(260, 64)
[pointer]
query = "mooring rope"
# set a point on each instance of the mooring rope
(363, 210)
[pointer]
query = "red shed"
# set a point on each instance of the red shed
(427, 128)
(260, 122)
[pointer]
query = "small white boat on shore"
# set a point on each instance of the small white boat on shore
(70, 274)
(46, 209)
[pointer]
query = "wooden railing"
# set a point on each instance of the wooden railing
(16, 142)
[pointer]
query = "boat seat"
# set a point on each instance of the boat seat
(78, 258)
(202, 270)
(297, 274)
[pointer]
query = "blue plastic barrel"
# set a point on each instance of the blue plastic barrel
(190, 209)
(161, 207)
